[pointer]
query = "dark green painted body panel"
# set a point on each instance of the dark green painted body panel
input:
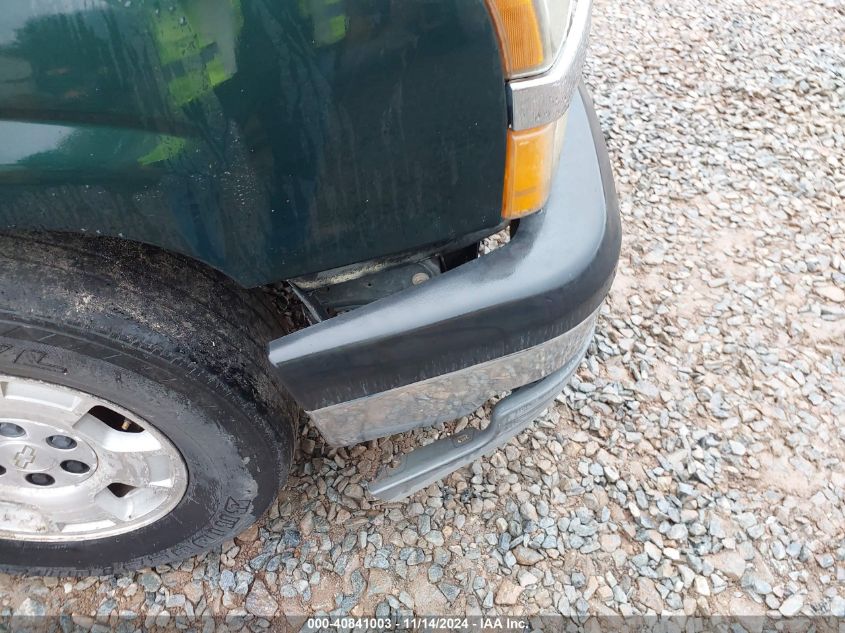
(267, 138)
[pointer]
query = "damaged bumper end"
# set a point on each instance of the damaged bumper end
(511, 415)
(520, 318)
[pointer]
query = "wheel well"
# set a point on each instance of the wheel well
(109, 245)
(157, 261)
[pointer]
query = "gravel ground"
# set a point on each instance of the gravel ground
(695, 465)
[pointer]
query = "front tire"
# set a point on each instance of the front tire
(126, 353)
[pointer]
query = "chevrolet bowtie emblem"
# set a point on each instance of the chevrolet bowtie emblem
(24, 457)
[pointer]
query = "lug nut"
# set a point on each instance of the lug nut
(40, 479)
(62, 442)
(74, 467)
(8, 429)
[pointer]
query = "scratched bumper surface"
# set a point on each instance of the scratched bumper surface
(451, 395)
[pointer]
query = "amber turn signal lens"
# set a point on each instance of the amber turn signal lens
(520, 39)
(528, 172)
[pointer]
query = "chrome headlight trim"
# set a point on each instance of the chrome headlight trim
(545, 98)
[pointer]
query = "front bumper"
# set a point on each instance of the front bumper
(513, 317)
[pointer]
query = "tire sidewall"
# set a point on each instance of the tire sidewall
(233, 458)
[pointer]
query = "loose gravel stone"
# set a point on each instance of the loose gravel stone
(729, 563)
(526, 556)
(507, 594)
(31, 608)
(449, 590)
(150, 581)
(792, 605)
(678, 532)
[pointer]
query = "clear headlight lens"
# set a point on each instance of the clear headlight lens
(531, 33)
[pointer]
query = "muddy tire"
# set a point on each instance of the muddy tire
(136, 382)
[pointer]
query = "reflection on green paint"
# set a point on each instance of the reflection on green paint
(329, 20)
(168, 147)
(196, 44)
(48, 147)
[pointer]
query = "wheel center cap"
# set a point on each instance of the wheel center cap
(26, 457)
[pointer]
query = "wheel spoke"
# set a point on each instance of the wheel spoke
(40, 394)
(101, 434)
(124, 505)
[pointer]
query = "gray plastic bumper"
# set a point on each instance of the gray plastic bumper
(513, 317)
